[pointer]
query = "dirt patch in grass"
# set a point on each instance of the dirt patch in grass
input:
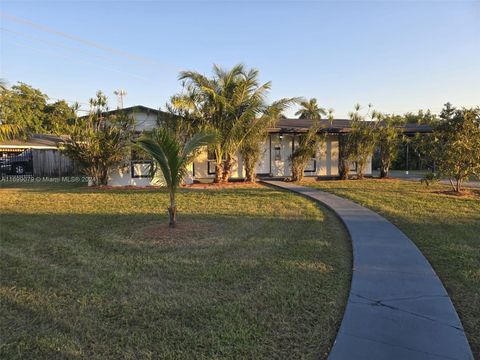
(202, 186)
(183, 232)
(461, 194)
(227, 185)
(128, 187)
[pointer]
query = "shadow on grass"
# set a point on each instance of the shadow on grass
(86, 285)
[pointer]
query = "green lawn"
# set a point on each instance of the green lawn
(446, 228)
(249, 273)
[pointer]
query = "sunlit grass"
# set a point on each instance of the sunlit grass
(446, 228)
(249, 273)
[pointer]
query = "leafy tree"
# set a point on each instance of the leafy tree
(58, 117)
(180, 119)
(224, 103)
(172, 157)
(256, 131)
(99, 141)
(26, 111)
(360, 141)
(455, 144)
(388, 136)
(308, 141)
(420, 118)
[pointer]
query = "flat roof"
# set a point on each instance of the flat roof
(335, 126)
(37, 141)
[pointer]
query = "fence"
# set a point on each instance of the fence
(43, 163)
(52, 163)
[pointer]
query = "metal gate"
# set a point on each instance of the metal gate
(17, 162)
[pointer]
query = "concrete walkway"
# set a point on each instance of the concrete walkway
(398, 307)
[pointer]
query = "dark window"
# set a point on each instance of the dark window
(278, 154)
(311, 167)
(211, 161)
(140, 164)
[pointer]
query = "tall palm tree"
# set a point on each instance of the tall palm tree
(172, 158)
(225, 102)
(310, 110)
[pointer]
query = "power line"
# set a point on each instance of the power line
(82, 61)
(36, 39)
(83, 41)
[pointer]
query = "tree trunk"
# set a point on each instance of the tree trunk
(297, 172)
(249, 174)
(343, 166)
(172, 210)
(385, 163)
(383, 172)
(249, 168)
(218, 173)
(227, 168)
(343, 169)
(103, 177)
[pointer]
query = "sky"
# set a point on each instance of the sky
(399, 56)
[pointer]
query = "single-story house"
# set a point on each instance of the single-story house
(275, 160)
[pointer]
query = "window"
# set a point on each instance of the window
(211, 161)
(311, 167)
(278, 154)
(140, 164)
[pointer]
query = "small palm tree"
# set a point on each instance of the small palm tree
(172, 157)
(308, 141)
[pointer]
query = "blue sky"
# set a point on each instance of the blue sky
(399, 56)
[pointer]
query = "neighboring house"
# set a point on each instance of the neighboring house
(37, 156)
(275, 161)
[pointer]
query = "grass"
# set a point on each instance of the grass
(249, 273)
(446, 229)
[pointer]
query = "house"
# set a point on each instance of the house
(275, 161)
(280, 143)
(136, 169)
(38, 156)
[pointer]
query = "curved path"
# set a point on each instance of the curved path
(397, 307)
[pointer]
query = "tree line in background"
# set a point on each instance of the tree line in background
(231, 105)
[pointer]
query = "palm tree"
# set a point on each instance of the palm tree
(225, 103)
(310, 110)
(308, 141)
(172, 158)
(361, 140)
(256, 133)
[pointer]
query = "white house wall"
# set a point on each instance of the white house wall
(122, 176)
(201, 166)
(144, 121)
(326, 163)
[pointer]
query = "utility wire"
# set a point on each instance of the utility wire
(87, 42)
(22, 44)
(36, 39)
